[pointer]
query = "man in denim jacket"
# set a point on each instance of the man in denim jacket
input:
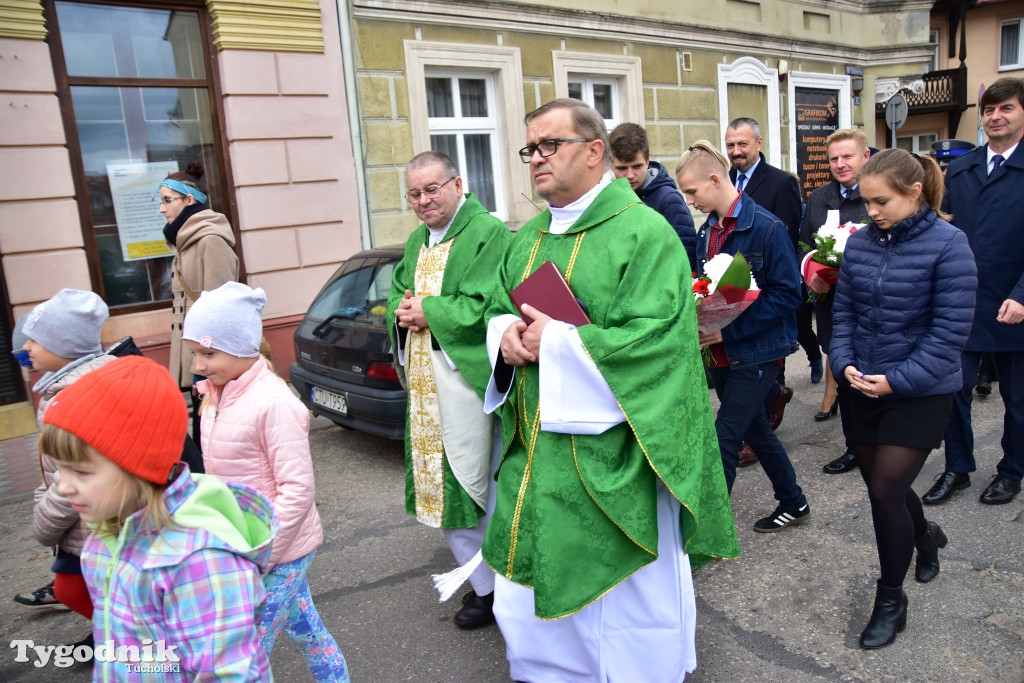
(747, 354)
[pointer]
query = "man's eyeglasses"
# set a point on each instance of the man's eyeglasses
(168, 200)
(430, 191)
(546, 147)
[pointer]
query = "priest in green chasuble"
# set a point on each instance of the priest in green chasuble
(436, 306)
(610, 487)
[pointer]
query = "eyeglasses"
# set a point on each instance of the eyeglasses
(168, 200)
(546, 148)
(430, 191)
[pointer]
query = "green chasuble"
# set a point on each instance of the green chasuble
(456, 276)
(575, 514)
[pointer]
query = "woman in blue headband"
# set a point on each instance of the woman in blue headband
(204, 258)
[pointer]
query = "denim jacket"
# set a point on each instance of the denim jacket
(767, 330)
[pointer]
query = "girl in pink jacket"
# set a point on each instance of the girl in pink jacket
(256, 432)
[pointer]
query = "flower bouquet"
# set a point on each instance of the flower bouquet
(723, 292)
(826, 254)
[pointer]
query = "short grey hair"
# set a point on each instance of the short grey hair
(433, 157)
(746, 121)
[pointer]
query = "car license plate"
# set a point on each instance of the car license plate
(329, 399)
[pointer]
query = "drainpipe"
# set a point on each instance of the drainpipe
(355, 123)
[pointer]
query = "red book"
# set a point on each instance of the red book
(548, 292)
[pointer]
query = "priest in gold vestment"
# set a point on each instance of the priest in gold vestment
(436, 305)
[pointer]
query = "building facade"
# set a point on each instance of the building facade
(459, 76)
(973, 43)
(305, 113)
(103, 99)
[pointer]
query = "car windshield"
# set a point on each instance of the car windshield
(359, 295)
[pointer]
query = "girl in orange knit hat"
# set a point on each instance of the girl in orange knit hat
(173, 563)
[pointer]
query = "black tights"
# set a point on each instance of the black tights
(889, 471)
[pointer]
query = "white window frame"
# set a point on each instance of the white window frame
(1020, 44)
(505, 67)
(587, 84)
(933, 64)
(624, 71)
(750, 71)
(459, 126)
(916, 137)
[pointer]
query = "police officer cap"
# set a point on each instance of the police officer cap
(946, 151)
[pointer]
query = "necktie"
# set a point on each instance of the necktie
(997, 161)
(741, 180)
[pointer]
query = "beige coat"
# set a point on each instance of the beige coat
(204, 259)
(53, 520)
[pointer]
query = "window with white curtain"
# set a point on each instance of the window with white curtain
(1011, 52)
(463, 124)
(918, 143)
(600, 93)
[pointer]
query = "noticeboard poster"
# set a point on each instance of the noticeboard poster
(139, 221)
(817, 116)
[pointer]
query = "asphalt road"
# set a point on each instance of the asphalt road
(790, 609)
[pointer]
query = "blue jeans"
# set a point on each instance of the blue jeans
(959, 435)
(741, 417)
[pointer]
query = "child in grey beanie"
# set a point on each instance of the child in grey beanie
(69, 324)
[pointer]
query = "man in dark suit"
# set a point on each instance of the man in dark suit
(983, 192)
(779, 192)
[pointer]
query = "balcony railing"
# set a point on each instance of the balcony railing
(944, 91)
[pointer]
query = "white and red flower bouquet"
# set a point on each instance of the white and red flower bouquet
(725, 290)
(826, 254)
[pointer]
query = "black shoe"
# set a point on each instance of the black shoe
(1001, 490)
(944, 486)
(817, 371)
(984, 386)
(928, 544)
(40, 598)
(781, 518)
(844, 463)
(823, 415)
(888, 618)
(477, 611)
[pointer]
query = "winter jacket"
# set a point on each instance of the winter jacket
(766, 331)
(256, 432)
(904, 305)
(195, 585)
(204, 256)
(659, 192)
(53, 520)
(990, 211)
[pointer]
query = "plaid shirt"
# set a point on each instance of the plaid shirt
(184, 586)
(718, 233)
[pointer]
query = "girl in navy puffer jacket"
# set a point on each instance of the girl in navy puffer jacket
(902, 313)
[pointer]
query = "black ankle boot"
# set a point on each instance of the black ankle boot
(888, 618)
(928, 544)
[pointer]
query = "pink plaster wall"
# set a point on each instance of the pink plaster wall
(40, 233)
(291, 157)
(291, 161)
